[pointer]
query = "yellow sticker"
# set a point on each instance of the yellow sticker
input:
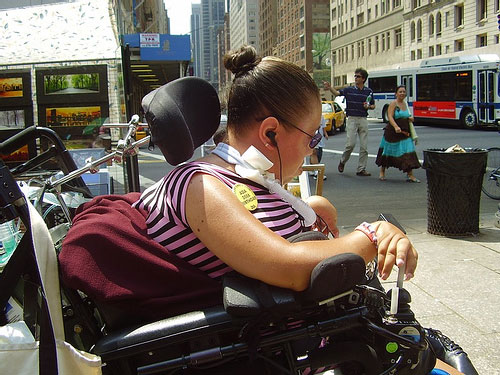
(246, 196)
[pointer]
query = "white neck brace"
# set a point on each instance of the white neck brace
(253, 165)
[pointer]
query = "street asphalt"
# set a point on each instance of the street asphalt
(456, 288)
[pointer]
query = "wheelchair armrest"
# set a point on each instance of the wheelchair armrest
(246, 297)
(333, 276)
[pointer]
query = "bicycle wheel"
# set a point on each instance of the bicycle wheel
(491, 180)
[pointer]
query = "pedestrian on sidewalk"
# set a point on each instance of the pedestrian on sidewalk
(359, 100)
(396, 147)
(317, 154)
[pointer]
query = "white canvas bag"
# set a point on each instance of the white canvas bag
(19, 352)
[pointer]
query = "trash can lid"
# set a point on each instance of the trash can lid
(469, 163)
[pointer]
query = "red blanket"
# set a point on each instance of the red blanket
(108, 255)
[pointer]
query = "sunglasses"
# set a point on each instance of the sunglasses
(358, 76)
(315, 139)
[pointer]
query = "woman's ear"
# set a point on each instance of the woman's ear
(268, 132)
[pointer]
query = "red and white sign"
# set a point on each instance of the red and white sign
(434, 109)
(150, 40)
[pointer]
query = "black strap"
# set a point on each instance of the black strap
(47, 349)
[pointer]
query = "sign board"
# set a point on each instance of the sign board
(149, 40)
(167, 48)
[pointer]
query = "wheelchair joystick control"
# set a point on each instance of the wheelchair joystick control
(395, 291)
(400, 301)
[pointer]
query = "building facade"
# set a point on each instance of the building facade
(212, 18)
(224, 46)
(148, 16)
(288, 28)
(244, 17)
(396, 33)
(196, 39)
(268, 23)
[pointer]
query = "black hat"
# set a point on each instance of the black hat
(182, 115)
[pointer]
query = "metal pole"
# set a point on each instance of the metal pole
(131, 161)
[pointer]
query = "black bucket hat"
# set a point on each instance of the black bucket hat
(182, 115)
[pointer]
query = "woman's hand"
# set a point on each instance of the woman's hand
(397, 129)
(394, 248)
(326, 211)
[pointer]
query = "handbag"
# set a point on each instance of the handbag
(20, 352)
(413, 133)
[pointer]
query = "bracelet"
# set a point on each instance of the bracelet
(368, 230)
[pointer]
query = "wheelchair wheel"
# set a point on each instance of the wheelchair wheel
(491, 179)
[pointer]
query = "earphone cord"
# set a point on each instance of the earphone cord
(281, 169)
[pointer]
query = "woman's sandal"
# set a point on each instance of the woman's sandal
(414, 180)
(381, 178)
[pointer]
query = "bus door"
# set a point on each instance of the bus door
(407, 81)
(486, 96)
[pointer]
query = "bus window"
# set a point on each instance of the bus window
(450, 86)
(491, 91)
(482, 88)
(407, 81)
(463, 83)
(383, 84)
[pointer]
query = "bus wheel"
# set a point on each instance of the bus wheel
(384, 114)
(468, 119)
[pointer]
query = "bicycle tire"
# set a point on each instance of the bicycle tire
(491, 179)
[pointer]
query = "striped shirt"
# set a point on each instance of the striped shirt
(167, 224)
(355, 98)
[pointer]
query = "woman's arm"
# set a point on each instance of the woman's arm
(326, 211)
(235, 236)
(390, 116)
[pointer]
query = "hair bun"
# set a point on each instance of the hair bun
(241, 61)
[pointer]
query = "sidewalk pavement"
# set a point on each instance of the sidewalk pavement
(456, 288)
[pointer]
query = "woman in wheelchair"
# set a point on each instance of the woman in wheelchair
(227, 212)
(224, 213)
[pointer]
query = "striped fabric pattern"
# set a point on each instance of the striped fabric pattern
(355, 98)
(167, 223)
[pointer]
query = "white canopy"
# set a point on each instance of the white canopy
(80, 30)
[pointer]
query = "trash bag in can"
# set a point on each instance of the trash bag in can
(454, 181)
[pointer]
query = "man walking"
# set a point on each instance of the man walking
(359, 100)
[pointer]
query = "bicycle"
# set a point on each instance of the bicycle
(491, 180)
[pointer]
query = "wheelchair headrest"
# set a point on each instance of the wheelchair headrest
(182, 115)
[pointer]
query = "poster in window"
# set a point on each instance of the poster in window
(12, 119)
(78, 84)
(71, 84)
(11, 87)
(78, 127)
(73, 116)
(15, 88)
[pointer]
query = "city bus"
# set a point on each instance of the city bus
(461, 89)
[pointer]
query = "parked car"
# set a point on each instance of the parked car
(334, 116)
(141, 132)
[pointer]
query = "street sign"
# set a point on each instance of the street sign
(149, 40)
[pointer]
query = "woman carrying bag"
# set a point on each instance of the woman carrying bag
(396, 147)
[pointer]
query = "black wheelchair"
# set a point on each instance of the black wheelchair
(341, 324)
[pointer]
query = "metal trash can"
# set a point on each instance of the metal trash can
(454, 183)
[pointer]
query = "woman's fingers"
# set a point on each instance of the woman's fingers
(394, 248)
(390, 249)
(411, 263)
